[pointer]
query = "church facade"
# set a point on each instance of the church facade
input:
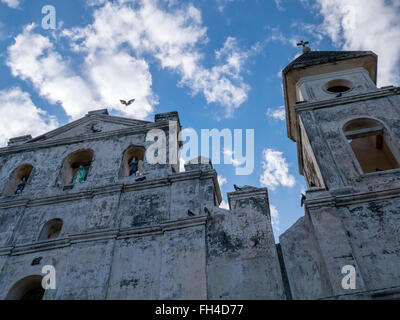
(84, 200)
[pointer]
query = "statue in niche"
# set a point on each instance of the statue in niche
(81, 173)
(21, 185)
(133, 166)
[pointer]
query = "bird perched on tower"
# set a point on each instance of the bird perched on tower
(303, 199)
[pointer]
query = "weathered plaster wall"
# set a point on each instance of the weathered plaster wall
(305, 267)
(355, 220)
(242, 257)
(123, 239)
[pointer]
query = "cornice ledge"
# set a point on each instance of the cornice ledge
(353, 198)
(82, 138)
(14, 203)
(137, 232)
(186, 175)
(101, 235)
(145, 185)
(60, 198)
(85, 194)
(184, 223)
(105, 234)
(5, 251)
(247, 193)
(39, 246)
(367, 196)
(345, 100)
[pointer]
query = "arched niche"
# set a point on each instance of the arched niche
(28, 288)
(371, 145)
(72, 164)
(20, 174)
(51, 229)
(128, 156)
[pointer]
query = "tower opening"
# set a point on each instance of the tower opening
(369, 142)
(338, 86)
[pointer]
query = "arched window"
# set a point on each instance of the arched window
(29, 288)
(51, 229)
(18, 180)
(132, 162)
(76, 167)
(371, 145)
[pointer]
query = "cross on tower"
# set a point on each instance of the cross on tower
(304, 44)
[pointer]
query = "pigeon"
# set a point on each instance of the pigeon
(127, 103)
(339, 95)
(190, 213)
(206, 211)
(141, 179)
(237, 188)
(303, 199)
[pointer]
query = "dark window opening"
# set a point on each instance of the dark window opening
(369, 143)
(338, 86)
(338, 89)
(29, 288)
(33, 294)
(51, 229)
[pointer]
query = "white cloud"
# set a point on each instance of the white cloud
(276, 170)
(278, 4)
(171, 35)
(11, 3)
(32, 57)
(366, 25)
(118, 75)
(19, 116)
(274, 217)
(182, 164)
(277, 113)
(222, 181)
(275, 34)
(233, 158)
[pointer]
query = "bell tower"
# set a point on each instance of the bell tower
(342, 123)
(347, 132)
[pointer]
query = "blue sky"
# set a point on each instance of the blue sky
(217, 63)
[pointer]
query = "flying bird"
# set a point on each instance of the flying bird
(190, 213)
(237, 188)
(303, 199)
(127, 103)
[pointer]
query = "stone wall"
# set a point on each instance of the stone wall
(161, 238)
